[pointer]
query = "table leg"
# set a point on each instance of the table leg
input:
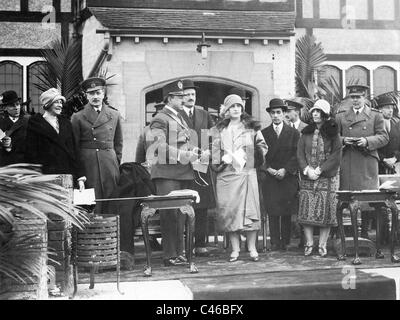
(93, 271)
(354, 207)
(339, 215)
(189, 211)
(145, 215)
(393, 208)
(380, 212)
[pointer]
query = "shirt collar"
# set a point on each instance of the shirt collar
(297, 123)
(13, 119)
(280, 126)
(360, 110)
(187, 110)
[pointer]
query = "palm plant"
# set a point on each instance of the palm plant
(63, 70)
(24, 189)
(309, 58)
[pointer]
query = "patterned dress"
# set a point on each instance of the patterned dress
(317, 199)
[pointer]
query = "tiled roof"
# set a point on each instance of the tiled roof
(251, 23)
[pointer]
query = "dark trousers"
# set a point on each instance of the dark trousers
(280, 229)
(172, 221)
(200, 232)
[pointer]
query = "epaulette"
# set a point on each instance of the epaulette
(340, 111)
(376, 110)
(111, 107)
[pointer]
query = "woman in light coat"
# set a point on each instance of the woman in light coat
(238, 148)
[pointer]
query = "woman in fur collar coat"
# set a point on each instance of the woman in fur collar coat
(319, 153)
(50, 141)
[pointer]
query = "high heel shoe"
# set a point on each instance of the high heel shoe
(254, 256)
(308, 251)
(322, 252)
(234, 257)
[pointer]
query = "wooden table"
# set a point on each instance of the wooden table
(150, 205)
(353, 199)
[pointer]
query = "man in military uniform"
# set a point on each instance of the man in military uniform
(13, 123)
(98, 134)
(362, 131)
(293, 114)
(199, 120)
(171, 169)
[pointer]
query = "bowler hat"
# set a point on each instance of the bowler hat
(385, 100)
(239, 92)
(174, 89)
(275, 104)
(9, 97)
(188, 84)
(49, 96)
(357, 89)
(93, 84)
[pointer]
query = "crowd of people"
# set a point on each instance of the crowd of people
(291, 169)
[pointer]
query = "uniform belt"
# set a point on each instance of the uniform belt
(96, 145)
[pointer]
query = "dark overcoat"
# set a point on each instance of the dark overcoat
(392, 149)
(99, 141)
(202, 121)
(359, 167)
(56, 152)
(280, 196)
(17, 132)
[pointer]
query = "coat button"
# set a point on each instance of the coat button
(350, 128)
(365, 128)
(94, 139)
(97, 150)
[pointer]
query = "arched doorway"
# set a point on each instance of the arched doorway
(210, 95)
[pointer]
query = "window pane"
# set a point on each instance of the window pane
(384, 12)
(308, 11)
(384, 80)
(329, 9)
(330, 79)
(357, 75)
(10, 5)
(11, 77)
(357, 9)
(34, 93)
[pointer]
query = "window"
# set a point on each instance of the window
(384, 80)
(11, 77)
(329, 9)
(357, 9)
(330, 79)
(357, 75)
(384, 12)
(34, 92)
(308, 9)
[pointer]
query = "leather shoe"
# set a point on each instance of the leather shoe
(254, 256)
(308, 251)
(322, 252)
(171, 262)
(234, 257)
(182, 259)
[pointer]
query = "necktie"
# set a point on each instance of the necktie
(98, 111)
(277, 131)
(190, 115)
(357, 113)
(293, 126)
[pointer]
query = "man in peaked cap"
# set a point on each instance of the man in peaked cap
(98, 134)
(293, 112)
(389, 156)
(199, 120)
(280, 185)
(14, 124)
(362, 131)
(171, 169)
